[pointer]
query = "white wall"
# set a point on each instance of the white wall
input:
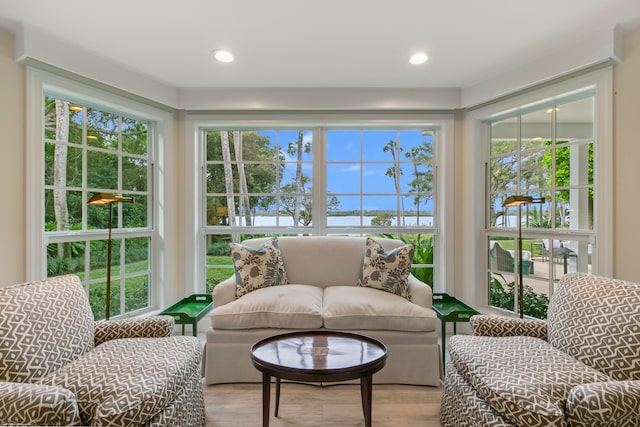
(626, 170)
(12, 164)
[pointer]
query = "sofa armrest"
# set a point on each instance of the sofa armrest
(420, 292)
(500, 326)
(145, 327)
(605, 403)
(37, 405)
(224, 292)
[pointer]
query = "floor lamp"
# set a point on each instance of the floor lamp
(519, 201)
(109, 199)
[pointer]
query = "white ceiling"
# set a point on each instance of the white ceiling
(323, 44)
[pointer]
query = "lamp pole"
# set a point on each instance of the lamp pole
(109, 199)
(108, 289)
(519, 201)
(520, 264)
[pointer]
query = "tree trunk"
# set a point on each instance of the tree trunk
(242, 179)
(60, 208)
(228, 179)
(298, 196)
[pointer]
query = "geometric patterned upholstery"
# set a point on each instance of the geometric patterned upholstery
(148, 327)
(491, 325)
(598, 323)
(59, 367)
(586, 373)
(523, 378)
(44, 326)
(612, 403)
(128, 381)
(22, 405)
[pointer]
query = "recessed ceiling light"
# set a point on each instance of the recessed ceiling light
(222, 55)
(418, 58)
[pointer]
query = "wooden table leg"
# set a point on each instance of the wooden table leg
(266, 398)
(277, 395)
(365, 392)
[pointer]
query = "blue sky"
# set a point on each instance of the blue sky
(344, 165)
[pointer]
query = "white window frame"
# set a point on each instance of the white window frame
(474, 234)
(194, 162)
(163, 267)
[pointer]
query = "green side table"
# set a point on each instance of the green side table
(450, 309)
(188, 311)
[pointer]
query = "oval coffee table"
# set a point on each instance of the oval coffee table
(318, 356)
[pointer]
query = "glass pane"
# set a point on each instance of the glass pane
(343, 145)
(534, 174)
(65, 258)
(97, 292)
(134, 136)
(134, 174)
(291, 171)
(76, 125)
(102, 129)
(574, 209)
(417, 146)
(98, 216)
(379, 178)
(503, 173)
(346, 204)
(380, 145)
(217, 213)
(418, 211)
(536, 128)
(218, 256)
(134, 215)
(102, 170)
(575, 121)
(343, 178)
(136, 293)
(297, 145)
(504, 136)
(375, 205)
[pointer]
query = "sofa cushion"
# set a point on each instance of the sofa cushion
(523, 378)
(258, 267)
(352, 307)
(44, 325)
(291, 306)
(386, 270)
(128, 381)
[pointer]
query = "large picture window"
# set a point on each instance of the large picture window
(545, 152)
(89, 150)
(340, 181)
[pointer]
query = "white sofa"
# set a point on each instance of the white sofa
(323, 293)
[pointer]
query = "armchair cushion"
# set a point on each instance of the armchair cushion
(523, 378)
(128, 381)
(44, 325)
(500, 326)
(258, 267)
(37, 405)
(352, 307)
(606, 403)
(386, 270)
(148, 327)
(272, 307)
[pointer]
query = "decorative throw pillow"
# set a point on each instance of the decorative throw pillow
(387, 271)
(258, 267)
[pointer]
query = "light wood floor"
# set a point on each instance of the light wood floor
(240, 405)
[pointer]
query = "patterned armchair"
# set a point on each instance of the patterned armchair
(579, 368)
(59, 367)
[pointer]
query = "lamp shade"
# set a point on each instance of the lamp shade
(106, 198)
(516, 201)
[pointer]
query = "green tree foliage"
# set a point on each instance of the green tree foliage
(260, 160)
(502, 295)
